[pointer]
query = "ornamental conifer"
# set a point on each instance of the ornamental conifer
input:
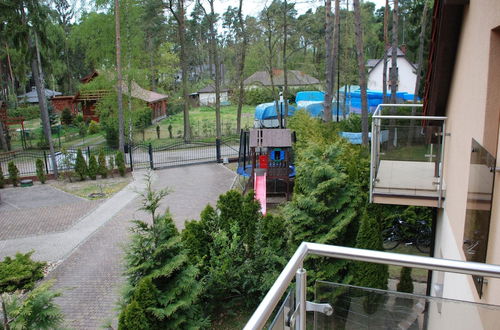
(81, 165)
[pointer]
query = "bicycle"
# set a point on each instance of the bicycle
(418, 234)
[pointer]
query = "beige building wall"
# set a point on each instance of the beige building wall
(473, 113)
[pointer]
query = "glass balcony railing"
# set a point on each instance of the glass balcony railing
(406, 156)
(339, 306)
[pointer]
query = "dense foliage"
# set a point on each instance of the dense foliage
(93, 168)
(19, 273)
(102, 168)
(120, 162)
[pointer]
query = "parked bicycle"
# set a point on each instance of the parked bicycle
(418, 234)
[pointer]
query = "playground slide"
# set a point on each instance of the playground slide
(259, 187)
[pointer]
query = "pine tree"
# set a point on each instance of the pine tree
(93, 168)
(13, 173)
(158, 263)
(81, 165)
(103, 170)
(40, 171)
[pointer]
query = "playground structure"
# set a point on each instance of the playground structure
(266, 158)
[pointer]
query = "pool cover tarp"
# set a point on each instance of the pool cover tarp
(268, 111)
(310, 96)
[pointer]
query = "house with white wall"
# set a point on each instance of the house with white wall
(407, 73)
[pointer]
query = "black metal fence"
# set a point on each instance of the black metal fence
(140, 155)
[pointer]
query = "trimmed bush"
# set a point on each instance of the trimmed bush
(81, 165)
(93, 128)
(120, 163)
(40, 171)
(13, 174)
(93, 168)
(2, 179)
(20, 272)
(103, 170)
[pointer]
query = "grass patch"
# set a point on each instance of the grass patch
(108, 187)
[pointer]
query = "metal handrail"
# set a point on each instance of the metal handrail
(270, 301)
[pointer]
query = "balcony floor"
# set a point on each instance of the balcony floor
(406, 180)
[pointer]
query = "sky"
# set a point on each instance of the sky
(253, 7)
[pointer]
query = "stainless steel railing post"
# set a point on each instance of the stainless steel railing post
(300, 298)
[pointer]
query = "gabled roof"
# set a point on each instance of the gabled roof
(140, 93)
(32, 97)
(89, 77)
(211, 89)
(295, 78)
(372, 63)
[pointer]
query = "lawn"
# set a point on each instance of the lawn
(202, 123)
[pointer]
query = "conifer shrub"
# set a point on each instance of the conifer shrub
(120, 163)
(20, 272)
(2, 179)
(13, 174)
(164, 283)
(93, 127)
(103, 170)
(367, 274)
(66, 117)
(111, 163)
(81, 165)
(40, 170)
(405, 281)
(93, 168)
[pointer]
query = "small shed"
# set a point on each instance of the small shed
(206, 95)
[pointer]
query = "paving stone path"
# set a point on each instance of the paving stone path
(91, 275)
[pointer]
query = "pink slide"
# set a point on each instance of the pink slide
(259, 187)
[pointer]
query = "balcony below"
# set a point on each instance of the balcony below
(406, 157)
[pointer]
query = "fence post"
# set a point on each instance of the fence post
(45, 160)
(150, 151)
(130, 156)
(217, 150)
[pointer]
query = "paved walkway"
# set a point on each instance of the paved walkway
(90, 274)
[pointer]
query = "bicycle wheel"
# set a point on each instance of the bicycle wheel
(423, 243)
(391, 238)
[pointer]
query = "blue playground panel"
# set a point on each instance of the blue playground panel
(268, 110)
(248, 170)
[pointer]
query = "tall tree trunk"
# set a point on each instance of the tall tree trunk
(327, 114)
(336, 48)
(362, 70)
(394, 53)
(420, 60)
(36, 68)
(241, 66)
(11, 74)
(215, 56)
(386, 49)
(121, 122)
(285, 66)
